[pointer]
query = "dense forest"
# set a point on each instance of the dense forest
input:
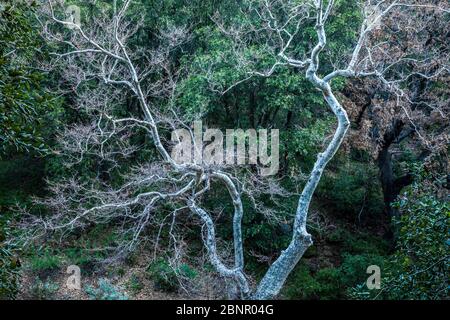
(223, 149)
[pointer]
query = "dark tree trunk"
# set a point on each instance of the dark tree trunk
(391, 186)
(229, 115)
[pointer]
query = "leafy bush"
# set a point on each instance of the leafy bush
(166, 278)
(330, 283)
(352, 189)
(45, 261)
(359, 243)
(187, 271)
(163, 275)
(78, 256)
(105, 291)
(325, 284)
(353, 269)
(26, 107)
(301, 284)
(135, 284)
(419, 267)
(303, 145)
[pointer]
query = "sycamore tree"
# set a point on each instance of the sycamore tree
(97, 46)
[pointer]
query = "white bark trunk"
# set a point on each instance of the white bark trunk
(210, 243)
(278, 272)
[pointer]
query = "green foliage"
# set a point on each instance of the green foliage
(187, 271)
(163, 275)
(266, 237)
(78, 256)
(352, 188)
(359, 243)
(422, 247)
(303, 284)
(44, 260)
(9, 263)
(105, 291)
(20, 176)
(419, 268)
(27, 110)
(135, 284)
(80, 251)
(330, 283)
(28, 115)
(303, 144)
(41, 290)
(354, 253)
(353, 268)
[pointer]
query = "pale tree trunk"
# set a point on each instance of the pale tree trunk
(277, 274)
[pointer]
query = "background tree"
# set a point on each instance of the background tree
(29, 114)
(22, 90)
(418, 268)
(415, 128)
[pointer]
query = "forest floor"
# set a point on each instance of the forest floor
(58, 278)
(343, 247)
(132, 280)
